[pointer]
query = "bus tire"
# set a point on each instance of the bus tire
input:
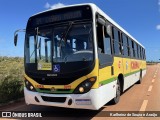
(116, 99)
(140, 78)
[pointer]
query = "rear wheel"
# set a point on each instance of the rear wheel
(116, 99)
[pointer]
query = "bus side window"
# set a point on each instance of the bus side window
(107, 42)
(130, 46)
(116, 42)
(142, 54)
(135, 49)
(125, 45)
(145, 54)
(138, 51)
(100, 38)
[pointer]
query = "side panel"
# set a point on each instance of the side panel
(130, 69)
(135, 67)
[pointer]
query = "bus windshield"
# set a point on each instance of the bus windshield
(74, 44)
(47, 46)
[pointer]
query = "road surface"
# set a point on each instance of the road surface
(140, 97)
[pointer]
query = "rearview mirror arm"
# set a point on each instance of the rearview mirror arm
(16, 35)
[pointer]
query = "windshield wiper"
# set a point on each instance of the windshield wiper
(36, 37)
(68, 29)
(63, 37)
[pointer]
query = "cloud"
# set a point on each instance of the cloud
(47, 5)
(54, 6)
(158, 27)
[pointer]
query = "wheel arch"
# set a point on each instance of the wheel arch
(121, 80)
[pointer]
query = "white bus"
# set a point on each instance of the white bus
(78, 57)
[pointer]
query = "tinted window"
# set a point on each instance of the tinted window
(130, 46)
(116, 42)
(125, 45)
(135, 49)
(138, 51)
(107, 43)
(100, 38)
(141, 53)
(144, 54)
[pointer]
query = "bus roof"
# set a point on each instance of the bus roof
(118, 26)
(96, 9)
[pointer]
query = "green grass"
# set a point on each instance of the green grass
(11, 78)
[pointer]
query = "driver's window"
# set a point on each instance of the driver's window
(104, 45)
(100, 38)
(107, 42)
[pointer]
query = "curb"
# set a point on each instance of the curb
(3, 105)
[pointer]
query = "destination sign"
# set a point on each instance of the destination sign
(59, 17)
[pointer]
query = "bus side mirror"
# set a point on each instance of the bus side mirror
(101, 21)
(15, 39)
(16, 35)
(108, 30)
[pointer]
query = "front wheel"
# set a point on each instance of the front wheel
(116, 99)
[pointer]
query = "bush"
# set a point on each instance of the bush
(10, 90)
(11, 79)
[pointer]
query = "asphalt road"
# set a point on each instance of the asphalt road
(140, 98)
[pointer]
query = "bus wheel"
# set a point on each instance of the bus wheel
(140, 78)
(115, 100)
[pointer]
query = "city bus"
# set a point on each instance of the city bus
(76, 56)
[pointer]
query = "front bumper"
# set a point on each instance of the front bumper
(88, 100)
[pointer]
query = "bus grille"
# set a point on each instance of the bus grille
(47, 89)
(54, 99)
(54, 81)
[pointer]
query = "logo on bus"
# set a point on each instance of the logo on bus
(53, 89)
(134, 65)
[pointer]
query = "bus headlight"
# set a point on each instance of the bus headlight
(85, 86)
(29, 86)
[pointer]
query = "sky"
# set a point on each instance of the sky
(141, 18)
